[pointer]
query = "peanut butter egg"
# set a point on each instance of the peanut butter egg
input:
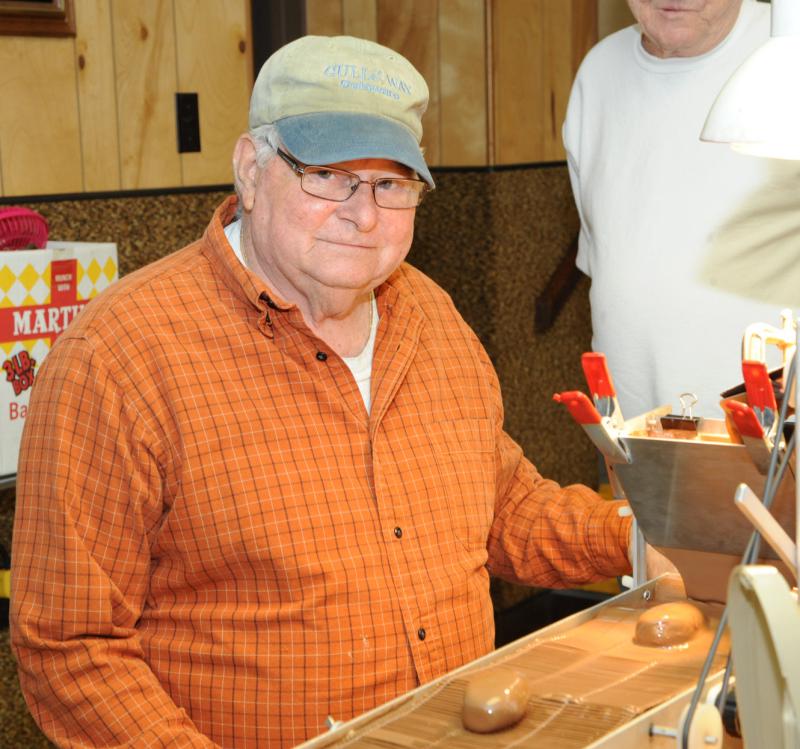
(669, 624)
(495, 699)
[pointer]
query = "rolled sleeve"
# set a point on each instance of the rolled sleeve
(552, 536)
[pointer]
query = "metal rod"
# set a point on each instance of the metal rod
(797, 460)
(774, 477)
(723, 621)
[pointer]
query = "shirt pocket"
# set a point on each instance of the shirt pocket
(464, 485)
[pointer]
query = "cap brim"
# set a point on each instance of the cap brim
(331, 137)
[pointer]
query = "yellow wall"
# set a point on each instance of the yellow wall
(96, 112)
(499, 71)
(537, 48)
(612, 15)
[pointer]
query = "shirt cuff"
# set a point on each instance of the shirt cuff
(608, 535)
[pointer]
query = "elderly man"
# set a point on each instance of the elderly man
(265, 479)
(651, 195)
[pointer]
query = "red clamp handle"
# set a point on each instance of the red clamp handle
(580, 407)
(597, 375)
(758, 384)
(744, 417)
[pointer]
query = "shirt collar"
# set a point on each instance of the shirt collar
(239, 279)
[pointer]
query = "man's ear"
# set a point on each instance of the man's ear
(245, 170)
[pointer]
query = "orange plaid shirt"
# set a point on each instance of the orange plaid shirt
(216, 545)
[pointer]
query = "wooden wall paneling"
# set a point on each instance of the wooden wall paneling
(517, 80)
(359, 18)
(558, 23)
(462, 83)
(612, 15)
(97, 101)
(215, 61)
(146, 81)
(532, 75)
(411, 28)
(39, 130)
(324, 17)
(584, 31)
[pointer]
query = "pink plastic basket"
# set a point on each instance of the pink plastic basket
(22, 228)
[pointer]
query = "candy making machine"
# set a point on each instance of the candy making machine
(697, 488)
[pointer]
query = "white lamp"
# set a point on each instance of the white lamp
(758, 110)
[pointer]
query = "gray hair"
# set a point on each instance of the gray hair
(266, 140)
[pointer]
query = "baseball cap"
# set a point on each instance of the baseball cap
(338, 98)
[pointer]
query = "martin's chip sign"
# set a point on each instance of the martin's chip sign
(41, 292)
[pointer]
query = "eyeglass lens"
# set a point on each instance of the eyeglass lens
(339, 185)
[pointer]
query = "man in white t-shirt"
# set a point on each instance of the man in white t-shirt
(651, 195)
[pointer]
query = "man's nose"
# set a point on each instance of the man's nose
(361, 207)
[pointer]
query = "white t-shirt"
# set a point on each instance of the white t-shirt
(360, 364)
(650, 195)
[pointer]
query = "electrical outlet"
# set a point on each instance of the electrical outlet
(188, 119)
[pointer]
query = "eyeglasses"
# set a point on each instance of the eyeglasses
(338, 185)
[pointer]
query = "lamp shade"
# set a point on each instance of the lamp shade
(758, 110)
(756, 253)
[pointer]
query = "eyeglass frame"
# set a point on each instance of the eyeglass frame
(299, 168)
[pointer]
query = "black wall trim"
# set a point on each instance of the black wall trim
(114, 195)
(499, 167)
(155, 192)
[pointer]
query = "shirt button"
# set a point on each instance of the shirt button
(321, 355)
(398, 532)
(421, 633)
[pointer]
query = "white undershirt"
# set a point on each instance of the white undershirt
(360, 364)
(233, 231)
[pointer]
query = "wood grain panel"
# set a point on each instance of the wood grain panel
(533, 44)
(359, 18)
(557, 60)
(97, 101)
(517, 80)
(145, 66)
(214, 60)
(324, 17)
(612, 15)
(39, 131)
(411, 28)
(584, 31)
(463, 105)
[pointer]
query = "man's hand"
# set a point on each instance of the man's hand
(657, 564)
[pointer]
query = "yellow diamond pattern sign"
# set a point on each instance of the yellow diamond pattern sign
(94, 270)
(41, 292)
(7, 278)
(29, 277)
